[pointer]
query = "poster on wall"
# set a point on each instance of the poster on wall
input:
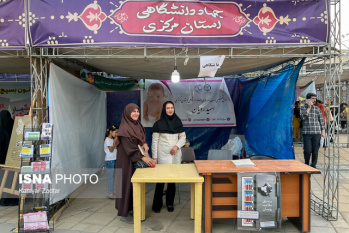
(4, 103)
(198, 102)
(111, 84)
(20, 107)
(13, 153)
(15, 97)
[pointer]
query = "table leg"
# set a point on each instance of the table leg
(306, 203)
(208, 204)
(198, 207)
(137, 188)
(143, 201)
(192, 200)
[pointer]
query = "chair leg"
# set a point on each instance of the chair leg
(179, 193)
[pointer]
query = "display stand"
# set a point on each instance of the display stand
(35, 179)
(259, 201)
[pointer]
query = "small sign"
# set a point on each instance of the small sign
(245, 214)
(267, 224)
(209, 65)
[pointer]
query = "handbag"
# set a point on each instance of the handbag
(140, 164)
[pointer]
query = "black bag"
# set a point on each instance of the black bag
(140, 164)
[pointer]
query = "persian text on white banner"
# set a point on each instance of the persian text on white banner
(198, 102)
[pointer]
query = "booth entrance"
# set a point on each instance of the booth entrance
(162, 60)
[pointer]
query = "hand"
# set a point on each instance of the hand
(310, 104)
(323, 134)
(174, 150)
(148, 161)
(155, 160)
(146, 148)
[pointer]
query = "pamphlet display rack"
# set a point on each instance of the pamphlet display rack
(34, 180)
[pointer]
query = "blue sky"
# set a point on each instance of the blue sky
(345, 24)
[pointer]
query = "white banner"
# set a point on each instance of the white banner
(198, 102)
(78, 114)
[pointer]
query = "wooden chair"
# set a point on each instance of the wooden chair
(188, 155)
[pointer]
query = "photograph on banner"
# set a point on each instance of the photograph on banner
(152, 98)
(198, 102)
(116, 83)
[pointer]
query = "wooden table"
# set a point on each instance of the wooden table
(221, 188)
(167, 173)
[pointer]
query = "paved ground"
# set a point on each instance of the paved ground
(97, 213)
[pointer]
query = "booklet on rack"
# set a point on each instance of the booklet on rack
(27, 151)
(243, 163)
(46, 131)
(142, 151)
(26, 169)
(32, 136)
(45, 150)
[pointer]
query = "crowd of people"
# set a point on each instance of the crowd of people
(309, 125)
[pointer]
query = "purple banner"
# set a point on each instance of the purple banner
(59, 23)
(12, 24)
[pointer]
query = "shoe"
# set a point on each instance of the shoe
(156, 210)
(111, 196)
(128, 219)
(170, 208)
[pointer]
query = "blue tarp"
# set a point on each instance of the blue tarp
(263, 108)
(269, 127)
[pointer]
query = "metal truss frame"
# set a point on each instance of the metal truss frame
(39, 89)
(182, 52)
(327, 206)
(13, 53)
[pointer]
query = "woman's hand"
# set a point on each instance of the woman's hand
(146, 148)
(174, 150)
(148, 161)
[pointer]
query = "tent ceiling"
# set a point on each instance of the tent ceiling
(315, 71)
(15, 66)
(161, 69)
(14, 62)
(319, 78)
(158, 63)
